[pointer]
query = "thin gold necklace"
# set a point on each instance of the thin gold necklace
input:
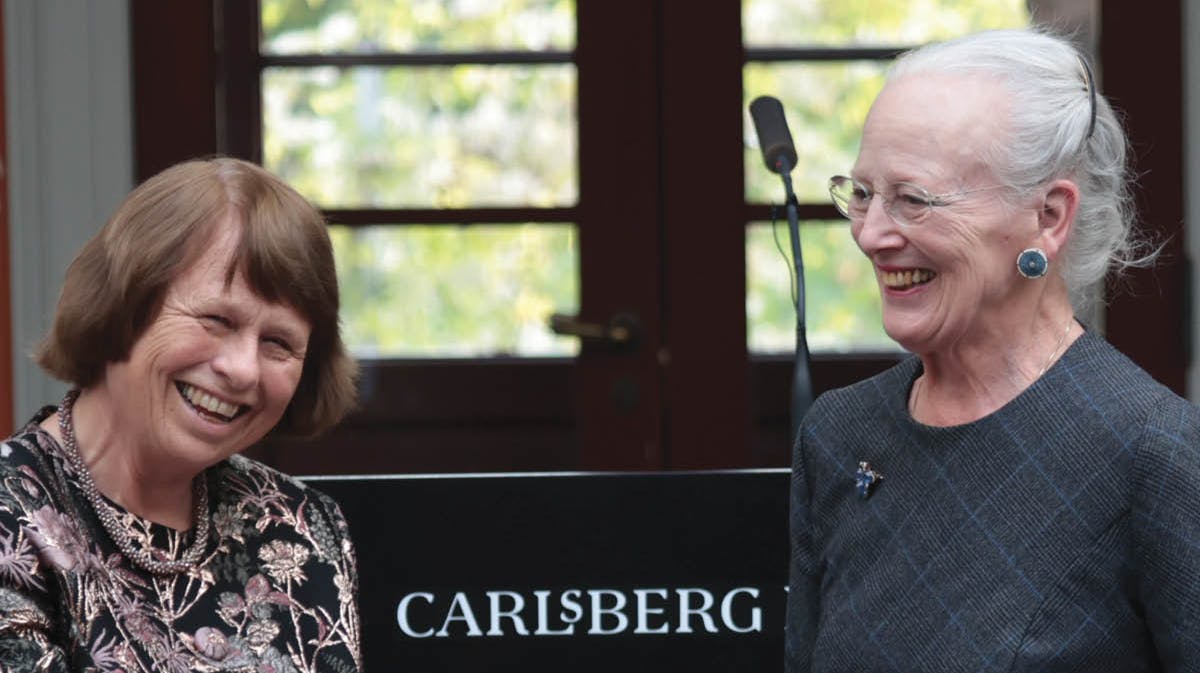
(1061, 340)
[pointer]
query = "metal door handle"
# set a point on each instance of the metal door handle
(621, 331)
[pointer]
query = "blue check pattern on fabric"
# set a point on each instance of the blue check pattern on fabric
(1061, 533)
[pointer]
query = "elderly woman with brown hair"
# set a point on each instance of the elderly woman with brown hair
(133, 536)
(1017, 495)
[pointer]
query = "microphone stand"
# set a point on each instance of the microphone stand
(802, 391)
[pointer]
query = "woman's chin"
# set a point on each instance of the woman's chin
(913, 336)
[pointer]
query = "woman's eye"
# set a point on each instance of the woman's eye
(911, 197)
(914, 204)
(280, 348)
(216, 320)
(280, 343)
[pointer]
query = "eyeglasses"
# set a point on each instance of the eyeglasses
(908, 204)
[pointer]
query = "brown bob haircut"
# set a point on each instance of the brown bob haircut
(115, 287)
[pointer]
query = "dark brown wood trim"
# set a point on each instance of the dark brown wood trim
(1147, 310)
(706, 400)
(239, 71)
(618, 395)
(805, 211)
(770, 54)
(359, 217)
(174, 83)
(446, 416)
(497, 415)
(352, 60)
(465, 391)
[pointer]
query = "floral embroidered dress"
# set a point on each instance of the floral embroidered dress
(274, 591)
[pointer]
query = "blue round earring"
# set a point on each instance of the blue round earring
(1032, 263)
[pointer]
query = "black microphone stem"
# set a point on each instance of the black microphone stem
(794, 235)
(802, 390)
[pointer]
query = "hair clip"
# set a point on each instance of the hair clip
(1089, 85)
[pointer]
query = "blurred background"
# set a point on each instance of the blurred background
(485, 164)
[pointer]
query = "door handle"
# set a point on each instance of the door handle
(621, 331)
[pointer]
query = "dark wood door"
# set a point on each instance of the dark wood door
(661, 219)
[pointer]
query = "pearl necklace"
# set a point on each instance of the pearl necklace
(121, 535)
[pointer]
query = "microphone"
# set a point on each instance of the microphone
(779, 154)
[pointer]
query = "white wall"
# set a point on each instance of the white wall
(67, 65)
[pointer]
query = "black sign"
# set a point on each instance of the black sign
(570, 572)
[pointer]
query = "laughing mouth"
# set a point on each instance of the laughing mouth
(903, 280)
(209, 405)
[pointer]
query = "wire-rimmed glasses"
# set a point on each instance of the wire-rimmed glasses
(908, 204)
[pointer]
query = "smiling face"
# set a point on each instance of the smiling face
(952, 276)
(214, 371)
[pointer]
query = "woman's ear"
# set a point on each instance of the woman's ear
(1057, 216)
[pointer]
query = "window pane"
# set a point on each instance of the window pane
(371, 26)
(841, 297)
(862, 23)
(439, 291)
(826, 104)
(424, 137)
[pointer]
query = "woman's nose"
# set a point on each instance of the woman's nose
(237, 361)
(877, 230)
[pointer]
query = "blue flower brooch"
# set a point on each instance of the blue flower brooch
(866, 480)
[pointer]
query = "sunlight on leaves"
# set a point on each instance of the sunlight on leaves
(456, 291)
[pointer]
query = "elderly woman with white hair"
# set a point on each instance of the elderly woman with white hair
(1018, 495)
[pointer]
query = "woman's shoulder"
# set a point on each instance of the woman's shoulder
(283, 508)
(1145, 419)
(1103, 382)
(34, 490)
(1092, 357)
(29, 447)
(246, 477)
(1170, 435)
(884, 391)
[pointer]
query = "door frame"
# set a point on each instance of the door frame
(646, 67)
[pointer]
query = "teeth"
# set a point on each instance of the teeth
(905, 279)
(208, 402)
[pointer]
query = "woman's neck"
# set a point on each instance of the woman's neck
(123, 470)
(977, 377)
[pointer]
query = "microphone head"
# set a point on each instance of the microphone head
(779, 154)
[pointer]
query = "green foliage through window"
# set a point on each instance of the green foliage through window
(441, 136)
(452, 291)
(424, 137)
(841, 299)
(366, 26)
(826, 103)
